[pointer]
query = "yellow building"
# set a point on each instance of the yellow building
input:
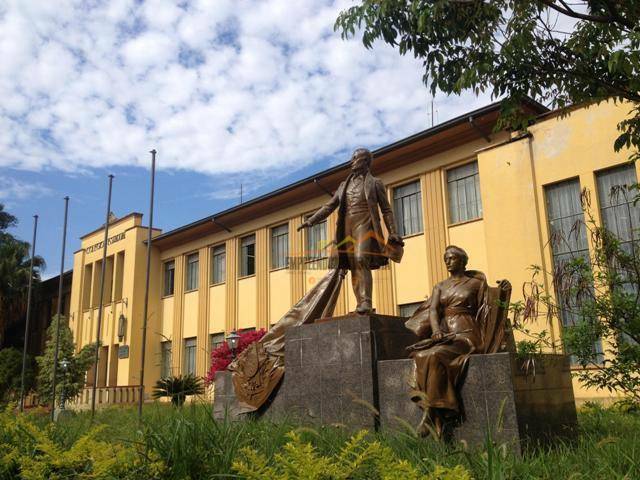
(493, 194)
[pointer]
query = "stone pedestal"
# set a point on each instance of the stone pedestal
(330, 371)
(498, 397)
(345, 370)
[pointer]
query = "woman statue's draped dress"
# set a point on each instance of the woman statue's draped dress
(463, 316)
(438, 368)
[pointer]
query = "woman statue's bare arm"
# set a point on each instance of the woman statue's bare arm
(434, 317)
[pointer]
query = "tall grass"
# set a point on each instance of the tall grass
(195, 446)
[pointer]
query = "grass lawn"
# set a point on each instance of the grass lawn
(191, 445)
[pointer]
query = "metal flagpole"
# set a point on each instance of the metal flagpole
(26, 325)
(102, 272)
(146, 287)
(59, 309)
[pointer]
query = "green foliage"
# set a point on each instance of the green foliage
(6, 220)
(192, 445)
(359, 458)
(11, 374)
(598, 294)
(30, 452)
(15, 265)
(72, 381)
(178, 387)
(559, 52)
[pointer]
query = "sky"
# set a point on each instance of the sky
(259, 93)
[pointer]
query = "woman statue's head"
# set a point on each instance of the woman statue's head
(455, 259)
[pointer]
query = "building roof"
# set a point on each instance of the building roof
(467, 127)
(50, 285)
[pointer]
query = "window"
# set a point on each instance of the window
(248, 256)
(108, 280)
(86, 286)
(619, 214)
(568, 240)
(316, 241)
(407, 203)
(165, 361)
(191, 277)
(280, 246)
(119, 277)
(95, 293)
(215, 340)
(408, 309)
(169, 277)
(190, 356)
(463, 187)
(218, 264)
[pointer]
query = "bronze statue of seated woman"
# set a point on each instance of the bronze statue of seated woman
(462, 317)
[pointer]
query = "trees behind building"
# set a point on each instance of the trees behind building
(15, 266)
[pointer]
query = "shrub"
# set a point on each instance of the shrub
(596, 299)
(221, 357)
(178, 387)
(359, 458)
(72, 381)
(11, 374)
(32, 453)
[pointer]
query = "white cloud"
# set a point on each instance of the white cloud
(216, 86)
(12, 189)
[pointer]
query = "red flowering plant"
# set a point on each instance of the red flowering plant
(221, 356)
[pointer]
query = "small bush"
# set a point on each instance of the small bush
(30, 452)
(72, 380)
(221, 357)
(359, 458)
(177, 388)
(11, 374)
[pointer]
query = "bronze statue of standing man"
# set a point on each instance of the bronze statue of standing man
(359, 244)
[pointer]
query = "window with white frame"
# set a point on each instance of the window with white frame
(463, 189)
(280, 246)
(165, 359)
(169, 277)
(215, 340)
(190, 356)
(218, 264)
(620, 215)
(191, 274)
(248, 255)
(407, 203)
(316, 241)
(568, 241)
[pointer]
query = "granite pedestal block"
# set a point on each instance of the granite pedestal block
(330, 371)
(498, 396)
(224, 401)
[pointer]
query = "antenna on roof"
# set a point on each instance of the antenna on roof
(241, 194)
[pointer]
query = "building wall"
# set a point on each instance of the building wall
(125, 277)
(510, 235)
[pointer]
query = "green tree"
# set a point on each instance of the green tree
(597, 298)
(556, 51)
(73, 379)
(6, 220)
(11, 374)
(15, 264)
